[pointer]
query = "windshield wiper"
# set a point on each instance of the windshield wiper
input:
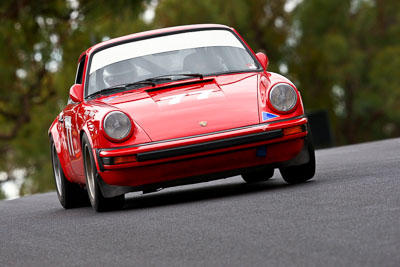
(149, 81)
(120, 87)
(169, 76)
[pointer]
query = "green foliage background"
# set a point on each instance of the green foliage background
(344, 56)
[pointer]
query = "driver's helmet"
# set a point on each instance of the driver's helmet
(196, 63)
(119, 73)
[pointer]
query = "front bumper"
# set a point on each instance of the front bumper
(206, 157)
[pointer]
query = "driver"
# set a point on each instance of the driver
(195, 63)
(119, 73)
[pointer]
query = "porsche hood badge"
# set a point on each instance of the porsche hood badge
(203, 123)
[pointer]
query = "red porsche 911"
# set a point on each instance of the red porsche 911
(175, 106)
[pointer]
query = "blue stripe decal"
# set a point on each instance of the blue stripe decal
(267, 116)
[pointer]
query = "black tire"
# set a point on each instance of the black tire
(96, 198)
(304, 172)
(69, 194)
(258, 176)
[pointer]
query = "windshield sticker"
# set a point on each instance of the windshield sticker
(268, 116)
(251, 66)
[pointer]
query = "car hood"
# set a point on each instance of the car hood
(192, 107)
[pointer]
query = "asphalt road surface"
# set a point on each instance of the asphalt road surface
(349, 215)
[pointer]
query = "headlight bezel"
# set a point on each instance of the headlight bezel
(111, 138)
(292, 107)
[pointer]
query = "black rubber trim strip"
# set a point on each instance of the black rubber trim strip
(205, 134)
(177, 85)
(212, 145)
(289, 119)
(99, 160)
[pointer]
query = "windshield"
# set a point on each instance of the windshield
(203, 52)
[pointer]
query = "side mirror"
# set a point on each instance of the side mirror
(76, 93)
(263, 59)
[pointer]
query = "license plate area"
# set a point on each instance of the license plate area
(261, 151)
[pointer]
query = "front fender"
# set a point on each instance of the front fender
(55, 133)
(92, 127)
(267, 114)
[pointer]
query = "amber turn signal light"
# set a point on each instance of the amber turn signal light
(124, 159)
(292, 130)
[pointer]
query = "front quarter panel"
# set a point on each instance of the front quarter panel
(93, 114)
(56, 132)
(266, 113)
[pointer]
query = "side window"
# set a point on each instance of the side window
(79, 72)
(78, 77)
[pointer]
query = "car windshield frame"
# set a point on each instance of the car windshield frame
(245, 46)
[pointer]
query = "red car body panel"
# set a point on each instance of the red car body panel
(169, 119)
(213, 101)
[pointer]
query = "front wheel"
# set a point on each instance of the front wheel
(98, 201)
(69, 194)
(304, 172)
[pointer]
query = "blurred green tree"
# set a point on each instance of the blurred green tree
(40, 42)
(345, 58)
(2, 195)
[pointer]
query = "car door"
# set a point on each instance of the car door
(71, 125)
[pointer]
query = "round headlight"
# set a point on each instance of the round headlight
(283, 97)
(117, 125)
